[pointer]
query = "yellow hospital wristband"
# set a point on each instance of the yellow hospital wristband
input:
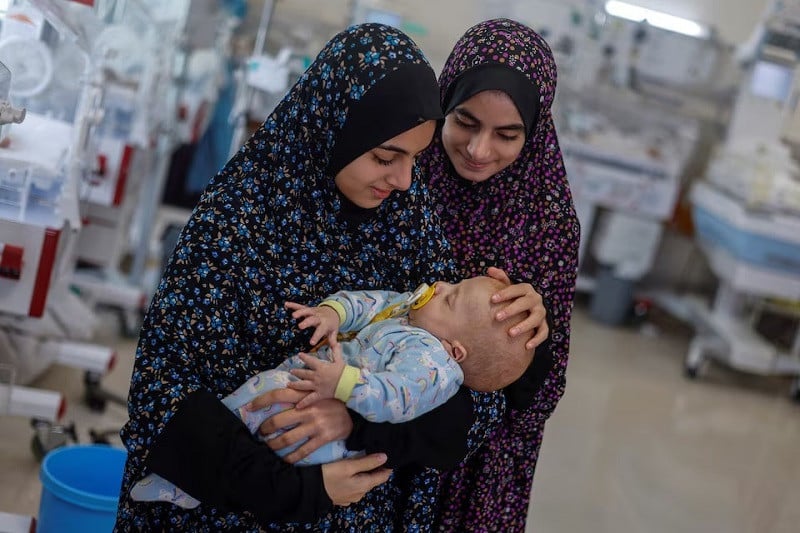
(347, 382)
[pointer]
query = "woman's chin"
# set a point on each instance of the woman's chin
(473, 175)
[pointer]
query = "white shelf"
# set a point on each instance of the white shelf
(91, 357)
(115, 293)
(34, 403)
(17, 523)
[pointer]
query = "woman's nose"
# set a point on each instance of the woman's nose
(401, 180)
(479, 147)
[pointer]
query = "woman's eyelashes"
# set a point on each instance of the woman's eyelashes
(381, 161)
(507, 137)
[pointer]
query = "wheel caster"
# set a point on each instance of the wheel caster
(92, 394)
(98, 405)
(794, 393)
(48, 437)
(102, 437)
(37, 448)
(130, 322)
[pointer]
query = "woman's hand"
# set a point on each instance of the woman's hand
(347, 481)
(523, 298)
(320, 423)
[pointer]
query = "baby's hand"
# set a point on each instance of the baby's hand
(324, 319)
(320, 378)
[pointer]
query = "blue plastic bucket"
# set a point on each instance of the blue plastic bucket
(80, 489)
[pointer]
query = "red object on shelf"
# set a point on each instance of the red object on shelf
(112, 362)
(122, 177)
(102, 165)
(44, 273)
(199, 118)
(11, 262)
(62, 408)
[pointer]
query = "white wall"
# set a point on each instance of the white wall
(446, 20)
(734, 19)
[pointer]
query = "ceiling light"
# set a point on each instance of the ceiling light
(657, 19)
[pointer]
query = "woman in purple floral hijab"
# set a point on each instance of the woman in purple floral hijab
(502, 194)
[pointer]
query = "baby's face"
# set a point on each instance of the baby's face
(455, 309)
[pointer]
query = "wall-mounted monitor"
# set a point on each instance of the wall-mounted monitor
(772, 80)
(383, 17)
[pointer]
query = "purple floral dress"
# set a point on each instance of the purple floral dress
(522, 220)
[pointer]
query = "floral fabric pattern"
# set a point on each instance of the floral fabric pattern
(522, 220)
(269, 228)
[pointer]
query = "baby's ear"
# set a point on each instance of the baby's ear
(458, 351)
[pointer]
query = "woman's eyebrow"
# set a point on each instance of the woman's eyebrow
(393, 148)
(466, 114)
(514, 127)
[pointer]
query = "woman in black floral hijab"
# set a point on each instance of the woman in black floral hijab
(320, 199)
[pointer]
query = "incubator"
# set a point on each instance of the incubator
(763, 176)
(38, 212)
(755, 253)
(747, 212)
(96, 97)
(625, 161)
(77, 140)
(35, 209)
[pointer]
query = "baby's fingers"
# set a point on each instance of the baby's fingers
(310, 321)
(294, 306)
(318, 334)
(302, 385)
(336, 348)
(310, 361)
(302, 373)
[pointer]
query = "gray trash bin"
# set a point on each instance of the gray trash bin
(612, 300)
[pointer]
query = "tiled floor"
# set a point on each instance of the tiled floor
(633, 446)
(21, 488)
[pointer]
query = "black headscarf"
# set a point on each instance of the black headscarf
(370, 121)
(498, 77)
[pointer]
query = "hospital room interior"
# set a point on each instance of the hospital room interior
(679, 126)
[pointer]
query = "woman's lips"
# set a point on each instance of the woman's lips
(382, 194)
(474, 165)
